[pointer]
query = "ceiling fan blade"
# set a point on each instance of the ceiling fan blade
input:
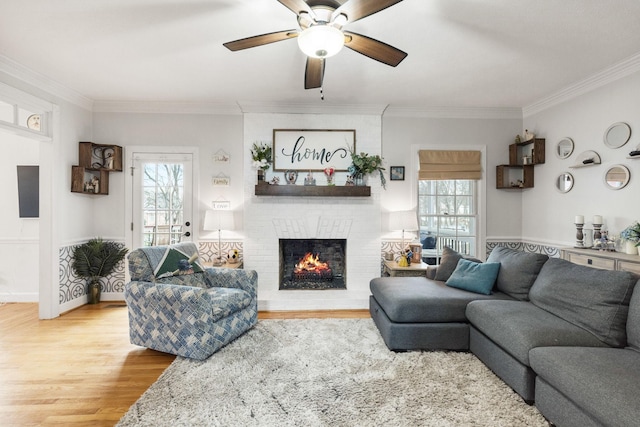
(314, 73)
(297, 6)
(358, 9)
(374, 49)
(260, 40)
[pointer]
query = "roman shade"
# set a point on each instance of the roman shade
(449, 164)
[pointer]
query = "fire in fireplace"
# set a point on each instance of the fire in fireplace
(312, 263)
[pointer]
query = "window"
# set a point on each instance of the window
(447, 216)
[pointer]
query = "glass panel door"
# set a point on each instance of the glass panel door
(162, 199)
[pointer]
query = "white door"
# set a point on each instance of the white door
(162, 198)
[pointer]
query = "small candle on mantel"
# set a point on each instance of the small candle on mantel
(597, 219)
(579, 219)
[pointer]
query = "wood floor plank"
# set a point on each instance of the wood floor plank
(80, 369)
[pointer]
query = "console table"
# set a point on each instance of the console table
(601, 259)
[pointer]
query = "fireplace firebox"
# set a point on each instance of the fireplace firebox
(313, 264)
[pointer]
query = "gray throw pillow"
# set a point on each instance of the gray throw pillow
(633, 320)
(518, 270)
(595, 300)
(448, 263)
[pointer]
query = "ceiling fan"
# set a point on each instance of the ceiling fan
(321, 36)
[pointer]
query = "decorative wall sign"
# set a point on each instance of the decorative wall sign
(312, 150)
(221, 180)
(221, 205)
(221, 156)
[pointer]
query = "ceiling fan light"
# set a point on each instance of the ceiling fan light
(321, 41)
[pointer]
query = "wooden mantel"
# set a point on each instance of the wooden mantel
(312, 190)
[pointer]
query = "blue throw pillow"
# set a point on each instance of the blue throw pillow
(474, 277)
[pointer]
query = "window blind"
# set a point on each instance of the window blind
(449, 164)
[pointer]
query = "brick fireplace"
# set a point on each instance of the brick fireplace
(269, 219)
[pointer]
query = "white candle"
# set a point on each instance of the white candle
(597, 219)
(579, 219)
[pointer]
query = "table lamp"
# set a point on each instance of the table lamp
(219, 220)
(403, 221)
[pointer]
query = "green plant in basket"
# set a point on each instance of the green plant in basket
(632, 233)
(366, 164)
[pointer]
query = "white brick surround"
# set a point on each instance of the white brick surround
(269, 218)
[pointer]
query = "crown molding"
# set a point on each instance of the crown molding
(315, 108)
(617, 71)
(455, 112)
(42, 82)
(161, 107)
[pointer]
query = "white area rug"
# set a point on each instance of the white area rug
(328, 372)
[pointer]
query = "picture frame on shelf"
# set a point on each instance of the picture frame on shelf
(396, 173)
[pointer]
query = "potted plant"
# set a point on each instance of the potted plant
(95, 259)
(261, 155)
(364, 164)
(631, 236)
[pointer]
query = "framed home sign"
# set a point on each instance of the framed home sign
(312, 150)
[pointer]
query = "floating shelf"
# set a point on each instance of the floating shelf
(584, 156)
(312, 190)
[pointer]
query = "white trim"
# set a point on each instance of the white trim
(617, 71)
(159, 107)
(315, 108)
(455, 112)
(43, 82)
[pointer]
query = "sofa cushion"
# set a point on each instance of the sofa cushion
(519, 326)
(518, 270)
(596, 300)
(421, 300)
(448, 263)
(601, 381)
(474, 277)
(175, 262)
(633, 319)
(226, 301)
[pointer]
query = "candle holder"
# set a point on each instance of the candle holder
(579, 236)
(596, 231)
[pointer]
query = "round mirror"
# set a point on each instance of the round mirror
(564, 183)
(617, 177)
(617, 135)
(564, 148)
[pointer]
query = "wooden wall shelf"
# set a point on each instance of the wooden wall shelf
(312, 190)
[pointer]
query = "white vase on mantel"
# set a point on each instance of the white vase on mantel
(630, 248)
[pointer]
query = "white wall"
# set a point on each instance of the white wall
(18, 236)
(399, 134)
(549, 215)
(208, 133)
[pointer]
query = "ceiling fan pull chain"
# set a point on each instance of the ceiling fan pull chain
(321, 93)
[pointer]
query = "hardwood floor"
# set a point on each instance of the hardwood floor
(80, 369)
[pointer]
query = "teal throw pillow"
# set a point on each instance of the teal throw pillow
(474, 277)
(175, 263)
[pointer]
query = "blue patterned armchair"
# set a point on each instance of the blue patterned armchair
(178, 307)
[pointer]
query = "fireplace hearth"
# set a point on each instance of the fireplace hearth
(312, 264)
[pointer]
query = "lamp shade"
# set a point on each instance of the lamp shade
(321, 41)
(219, 220)
(403, 221)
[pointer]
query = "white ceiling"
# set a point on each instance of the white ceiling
(462, 53)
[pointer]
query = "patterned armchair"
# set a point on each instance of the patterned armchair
(178, 307)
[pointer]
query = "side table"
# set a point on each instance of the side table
(392, 269)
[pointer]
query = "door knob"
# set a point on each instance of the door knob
(187, 234)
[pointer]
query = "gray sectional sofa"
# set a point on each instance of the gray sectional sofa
(564, 336)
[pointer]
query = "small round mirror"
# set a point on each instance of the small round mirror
(564, 183)
(617, 177)
(564, 148)
(617, 135)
